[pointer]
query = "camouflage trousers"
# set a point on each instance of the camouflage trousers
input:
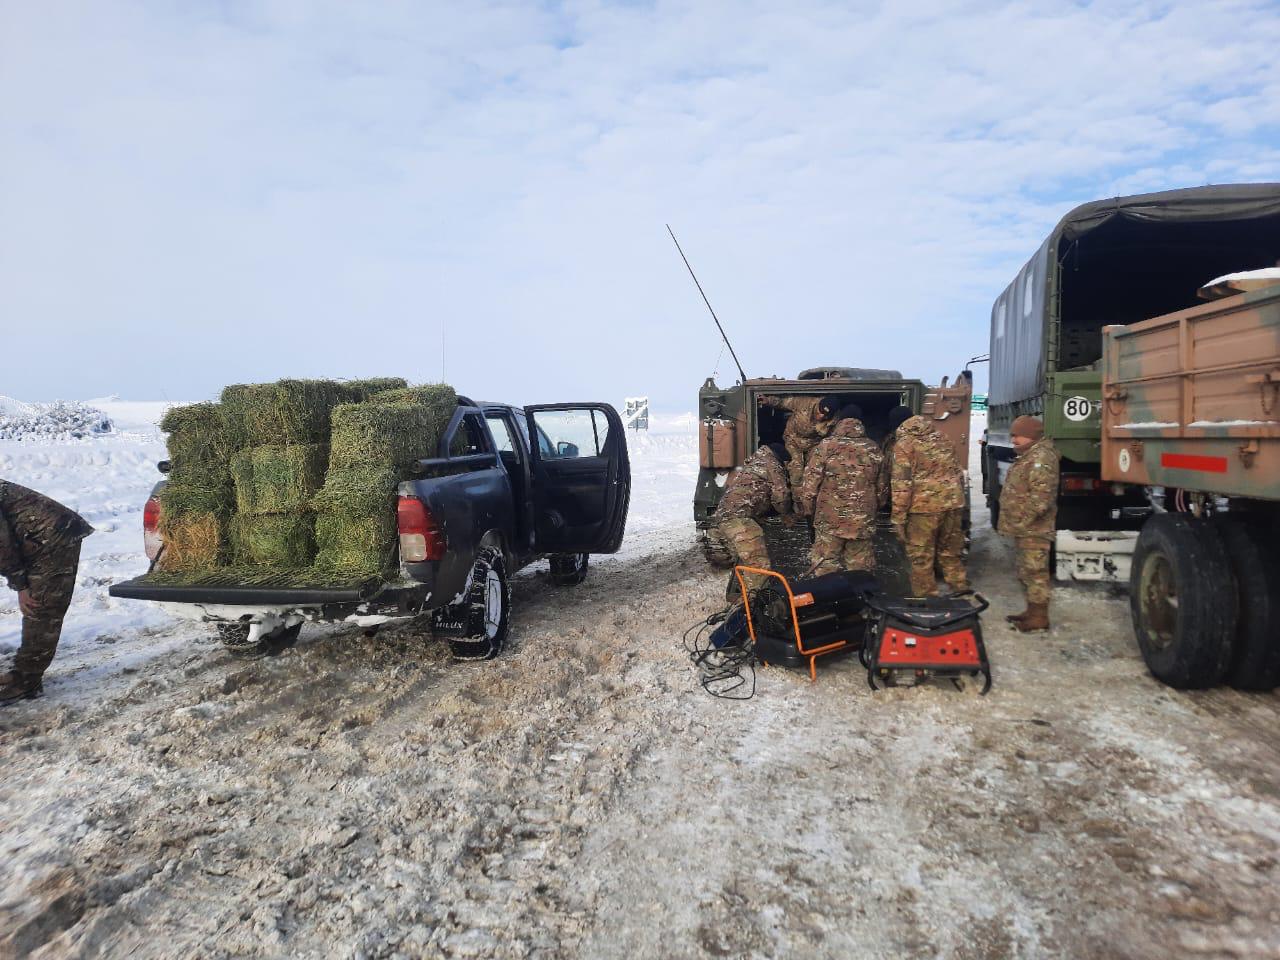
(935, 539)
(799, 451)
(832, 552)
(51, 580)
(745, 538)
(1032, 564)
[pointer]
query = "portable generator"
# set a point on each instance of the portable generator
(925, 637)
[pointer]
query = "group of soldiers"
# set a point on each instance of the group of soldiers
(828, 470)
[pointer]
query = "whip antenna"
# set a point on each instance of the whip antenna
(719, 327)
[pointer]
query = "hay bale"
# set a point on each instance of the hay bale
(355, 545)
(198, 442)
(179, 498)
(193, 541)
(285, 412)
(278, 479)
(389, 431)
(358, 491)
(274, 540)
(360, 390)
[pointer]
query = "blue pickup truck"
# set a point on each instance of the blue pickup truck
(509, 486)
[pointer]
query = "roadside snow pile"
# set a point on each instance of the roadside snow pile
(60, 420)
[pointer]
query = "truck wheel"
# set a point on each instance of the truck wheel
(569, 569)
(489, 606)
(715, 549)
(1255, 663)
(1182, 598)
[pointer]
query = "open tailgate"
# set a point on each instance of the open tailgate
(230, 587)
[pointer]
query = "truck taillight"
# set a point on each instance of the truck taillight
(420, 536)
(1081, 485)
(151, 539)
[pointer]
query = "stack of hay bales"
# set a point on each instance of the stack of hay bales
(197, 503)
(374, 446)
(281, 431)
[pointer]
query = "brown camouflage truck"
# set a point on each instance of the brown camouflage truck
(733, 424)
(1191, 418)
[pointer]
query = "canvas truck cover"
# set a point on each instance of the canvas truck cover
(1023, 313)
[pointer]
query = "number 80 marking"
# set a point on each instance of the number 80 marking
(1077, 409)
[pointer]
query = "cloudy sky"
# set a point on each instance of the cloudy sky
(193, 194)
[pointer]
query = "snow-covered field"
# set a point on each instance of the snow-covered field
(581, 797)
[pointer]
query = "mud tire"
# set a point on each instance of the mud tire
(1182, 598)
(489, 617)
(569, 569)
(716, 550)
(1255, 661)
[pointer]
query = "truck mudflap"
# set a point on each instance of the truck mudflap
(1099, 555)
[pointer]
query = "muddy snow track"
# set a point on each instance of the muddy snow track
(581, 797)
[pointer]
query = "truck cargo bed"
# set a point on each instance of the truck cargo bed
(230, 586)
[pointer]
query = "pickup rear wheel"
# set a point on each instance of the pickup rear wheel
(1182, 598)
(488, 609)
(569, 569)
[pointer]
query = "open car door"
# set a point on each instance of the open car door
(948, 408)
(581, 477)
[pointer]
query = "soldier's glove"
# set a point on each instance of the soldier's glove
(27, 603)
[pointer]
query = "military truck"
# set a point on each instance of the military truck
(1110, 262)
(733, 424)
(1191, 420)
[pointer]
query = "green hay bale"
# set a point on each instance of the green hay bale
(391, 434)
(358, 491)
(198, 442)
(354, 545)
(285, 412)
(192, 542)
(360, 390)
(274, 540)
(278, 479)
(179, 499)
(424, 394)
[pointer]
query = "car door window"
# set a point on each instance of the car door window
(469, 437)
(570, 434)
(503, 436)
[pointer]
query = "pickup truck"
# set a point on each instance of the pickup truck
(509, 486)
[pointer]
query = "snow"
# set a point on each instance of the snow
(1266, 273)
(1146, 425)
(60, 420)
(1234, 423)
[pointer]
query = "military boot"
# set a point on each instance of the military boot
(17, 686)
(1017, 618)
(1037, 618)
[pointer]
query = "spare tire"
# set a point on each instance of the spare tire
(1255, 662)
(1182, 597)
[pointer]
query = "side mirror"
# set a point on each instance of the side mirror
(164, 466)
(566, 449)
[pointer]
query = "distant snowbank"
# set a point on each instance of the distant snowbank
(60, 420)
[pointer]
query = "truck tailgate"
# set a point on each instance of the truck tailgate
(226, 587)
(1192, 400)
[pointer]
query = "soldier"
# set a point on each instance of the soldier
(839, 490)
(810, 421)
(1028, 511)
(39, 555)
(928, 500)
(896, 418)
(755, 488)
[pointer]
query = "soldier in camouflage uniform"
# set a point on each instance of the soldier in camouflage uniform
(810, 421)
(39, 555)
(928, 505)
(752, 491)
(839, 491)
(896, 418)
(1028, 513)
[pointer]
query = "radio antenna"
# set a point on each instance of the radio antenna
(733, 353)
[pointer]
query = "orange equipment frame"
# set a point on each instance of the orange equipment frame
(811, 654)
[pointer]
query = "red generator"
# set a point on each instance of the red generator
(925, 637)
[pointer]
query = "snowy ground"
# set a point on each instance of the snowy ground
(581, 796)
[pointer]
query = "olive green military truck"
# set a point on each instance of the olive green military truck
(1111, 262)
(733, 424)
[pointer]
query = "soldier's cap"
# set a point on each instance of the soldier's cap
(780, 452)
(898, 416)
(850, 411)
(829, 404)
(1029, 427)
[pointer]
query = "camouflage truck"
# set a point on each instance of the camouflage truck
(1191, 420)
(1110, 262)
(733, 424)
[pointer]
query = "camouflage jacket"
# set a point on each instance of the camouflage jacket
(886, 471)
(926, 474)
(30, 525)
(802, 429)
(840, 482)
(1029, 497)
(755, 487)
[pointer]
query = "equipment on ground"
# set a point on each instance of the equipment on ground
(925, 637)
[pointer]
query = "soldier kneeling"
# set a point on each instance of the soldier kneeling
(39, 555)
(752, 491)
